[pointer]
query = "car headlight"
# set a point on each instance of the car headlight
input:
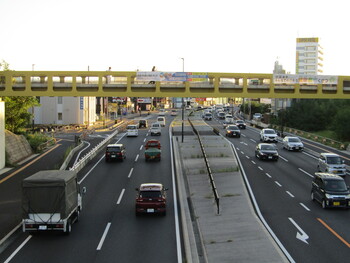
(347, 196)
(328, 196)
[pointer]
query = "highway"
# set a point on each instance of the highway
(108, 230)
(282, 190)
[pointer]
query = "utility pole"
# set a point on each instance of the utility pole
(182, 105)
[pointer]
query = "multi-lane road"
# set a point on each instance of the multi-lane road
(109, 231)
(282, 190)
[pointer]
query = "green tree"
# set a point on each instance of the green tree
(341, 124)
(16, 112)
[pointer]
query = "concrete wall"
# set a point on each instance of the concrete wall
(17, 147)
(2, 134)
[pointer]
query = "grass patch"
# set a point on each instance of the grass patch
(36, 139)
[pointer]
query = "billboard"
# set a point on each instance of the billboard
(304, 79)
(171, 76)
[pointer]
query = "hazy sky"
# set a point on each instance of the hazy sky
(212, 36)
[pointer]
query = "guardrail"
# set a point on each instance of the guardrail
(212, 183)
(93, 152)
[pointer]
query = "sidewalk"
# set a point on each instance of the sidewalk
(236, 234)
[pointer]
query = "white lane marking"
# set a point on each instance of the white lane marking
(278, 184)
(120, 196)
(268, 175)
(78, 156)
(279, 243)
(261, 169)
(247, 157)
(254, 141)
(242, 152)
(290, 194)
(132, 169)
(284, 159)
(306, 208)
(103, 236)
(137, 157)
(237, 149)
(253, 162)
(103, 156)
(306, 173)
(303, 236)
(310, 155)
(144, 139)
(176, 213)
(244, 135)
(18, 249)
(141, 147)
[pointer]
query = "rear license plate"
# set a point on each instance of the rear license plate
(113, 156)
(150, 210)
(270, 157)
(336, 203)
(42, 227)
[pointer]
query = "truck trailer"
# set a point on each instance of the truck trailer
(51, 201)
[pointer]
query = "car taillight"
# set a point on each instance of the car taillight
(59, 225)
(108, 154)
(29, 225)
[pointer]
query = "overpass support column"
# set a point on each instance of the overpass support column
(2, 134)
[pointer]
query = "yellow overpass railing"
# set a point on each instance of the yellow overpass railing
(125, 84)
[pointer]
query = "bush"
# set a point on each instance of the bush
(36, 139)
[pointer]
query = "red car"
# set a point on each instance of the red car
(151, 199)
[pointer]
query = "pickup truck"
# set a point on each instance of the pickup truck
(51, 201)
(152, 150)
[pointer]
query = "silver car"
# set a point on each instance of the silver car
(292, 143)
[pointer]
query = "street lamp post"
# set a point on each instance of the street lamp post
(182, 105)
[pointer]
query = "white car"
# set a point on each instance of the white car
(173, 113)
(132, 130)
(161, 120)
(331, 163)
(156, 129)
(268, 135)
(161, 112)
(292, 143)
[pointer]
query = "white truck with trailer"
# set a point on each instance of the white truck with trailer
(51, 201)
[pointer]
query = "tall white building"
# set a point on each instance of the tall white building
(309, 56)
(65, 110)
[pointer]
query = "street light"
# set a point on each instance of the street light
(183, 105)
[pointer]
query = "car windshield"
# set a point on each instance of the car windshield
(269, 132)
(239, 121)
(156, 125)
(150, 194)
(268, 147)
(113, 149)
(131, 127)
(232, 128)
(335, 185)
(294, 140)
(208, 114)
(334, 160)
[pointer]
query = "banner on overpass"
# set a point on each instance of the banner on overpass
(171, 76)
(304, 79)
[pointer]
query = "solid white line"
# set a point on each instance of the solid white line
(279, 243)
(261, 169)
(306, 173)
(18, 249)
(78, 156)
(141, 147)
(306, 208)
(103, 236)
(176, 213)
(120, 196)
(132, 169)
(278, 184)
(290, 194)
(268, 175)
(284, 159)
(137, 157)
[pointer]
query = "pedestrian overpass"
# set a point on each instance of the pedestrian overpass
(180, 84)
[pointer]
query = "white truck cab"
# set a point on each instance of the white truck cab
(132, 130)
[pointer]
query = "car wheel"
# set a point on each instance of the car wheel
(68, 227)
(312, 196)
(324, 206)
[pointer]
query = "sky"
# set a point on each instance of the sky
(212, 36)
